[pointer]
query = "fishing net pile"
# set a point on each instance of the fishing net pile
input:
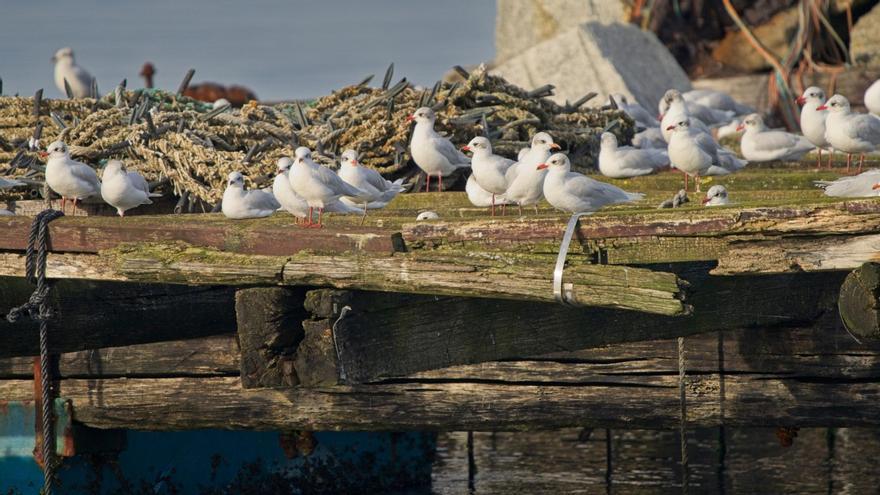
(193, 146)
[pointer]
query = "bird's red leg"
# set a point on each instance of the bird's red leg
(308, 221)
(697, 181)
(685, 181)
(819, 160)
(861, 162)
(74, 206)
(440, 177)
(63, 203)
(493, 204)
(427, 182)
(503, 209)
(320, 217)
(848, 161)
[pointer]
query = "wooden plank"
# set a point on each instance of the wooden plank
(217, 355)
(276, 237)
(383, 337)
(799, 254)
(859, 299)
(91, 314)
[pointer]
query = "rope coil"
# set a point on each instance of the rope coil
(38, 310)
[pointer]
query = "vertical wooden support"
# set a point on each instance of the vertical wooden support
(269, 321)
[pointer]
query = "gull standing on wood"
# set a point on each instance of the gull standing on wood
(850, 132)
(379, 191)
(318, 185)
(239, 203)
(480, 197)
(864, 185)
(760, 144)
(72, 180)
(872, 98)
(525, 181)
(488, 168)
(577, 193)
(621, 162)
(696, 154)
(716, 196)
(813, 121)
(295, 204)
(124, 190)
(433, 153)
(77, 78)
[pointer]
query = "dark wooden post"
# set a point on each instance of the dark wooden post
(858, 301)
(269, 330)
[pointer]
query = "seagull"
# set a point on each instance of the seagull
(848, 131)
(872, 98)
(813, 121)
(650, 138)
(289, 200)
(124, 190)
(489, 169)
(480, 197)
(69, 178)
(77, 78)
(577, 193)
(625, 161)
(635, 111)
(760, 144)
(864, 185)
(239, 203)
(696, 153)
(673, 109)
(6, 213)
(318, 185)
(525, 181)
(433, 153)
(379, 191)
(717, 100)
(716, 196)
(707, 115)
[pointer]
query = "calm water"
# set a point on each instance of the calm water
(280, 49)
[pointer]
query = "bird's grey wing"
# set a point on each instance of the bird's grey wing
(138, 181)
(450, 152)
(262, 200)
(330, 178)
(376, 180)
(867, 128)
(7, 183)
(775, 140)
(85, 173)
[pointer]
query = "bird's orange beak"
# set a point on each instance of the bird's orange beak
(42, 154)
(740, 127)
(823, 107)
(554, 146)
(876, 186)
(542, 166)
(800, 100)
(465, 148)
(410, 118)
(706, 199)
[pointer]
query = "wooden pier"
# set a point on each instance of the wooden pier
(195, 321)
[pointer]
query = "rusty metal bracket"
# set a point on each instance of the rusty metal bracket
(562, 291)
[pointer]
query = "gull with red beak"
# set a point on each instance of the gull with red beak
(294, 203)
(850, 132)
(813, 121)
(716, 196)
(318, 185)
(525, 180)
(433, 153)
(576, 193)
(696, 154)
(489, 169)
(72, 180)
(864, 185)
(379, 191)
(760, 144)
(77, 78)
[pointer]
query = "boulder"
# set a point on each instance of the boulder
(522, 24)
(776, 34)
(865, 39)
(602, 57)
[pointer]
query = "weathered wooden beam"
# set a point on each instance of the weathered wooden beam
(490, 276)
(278, 236)
(91, 314)
(217, 355)
(389, 335)
(269, 331)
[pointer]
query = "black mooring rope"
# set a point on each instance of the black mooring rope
(37, 309)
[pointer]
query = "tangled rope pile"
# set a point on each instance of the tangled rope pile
(162, 134)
